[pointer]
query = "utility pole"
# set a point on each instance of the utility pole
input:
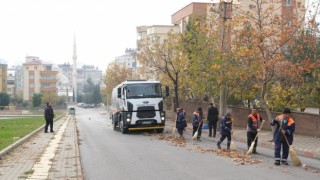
(225, 15)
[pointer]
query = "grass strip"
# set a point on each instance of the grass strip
(13, 129)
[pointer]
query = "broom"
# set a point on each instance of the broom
(233, 145)
(293, 155)
(254, 141)
(196, 133)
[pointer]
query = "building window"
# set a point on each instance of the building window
(36, 67)
(31, 85)
(288, 2)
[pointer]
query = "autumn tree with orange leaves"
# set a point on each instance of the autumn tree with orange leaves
(163, 58)
(261, 36)
(115, 74)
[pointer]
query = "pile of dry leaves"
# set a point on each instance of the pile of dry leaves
(239, 157)
(177, 141)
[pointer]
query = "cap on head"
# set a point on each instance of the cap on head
(199, 109)
(286, 111)
(228, 113)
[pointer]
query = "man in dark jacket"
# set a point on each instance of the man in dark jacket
(48, 115)
(284, 130)
(212, 118)
(181, 122)
(225, 130)
(197, 122)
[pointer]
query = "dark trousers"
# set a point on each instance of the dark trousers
(250, 137)
(225, 136)
(212, 125)
(180, 131)
(277, 150)
(195, 128)
(49, 122)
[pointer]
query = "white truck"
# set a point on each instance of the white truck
(138, 105)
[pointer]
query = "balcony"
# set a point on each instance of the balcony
(53, 81)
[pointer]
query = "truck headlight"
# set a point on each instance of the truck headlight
(128, 117)
(162, 115)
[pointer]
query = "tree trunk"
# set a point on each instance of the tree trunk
(176, 85)
(265, 105)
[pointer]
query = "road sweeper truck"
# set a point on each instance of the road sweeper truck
(138, 105)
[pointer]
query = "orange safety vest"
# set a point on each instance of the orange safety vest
(255, 121)
(290, 121)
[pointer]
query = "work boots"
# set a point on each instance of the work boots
(228, 145)
(218, 145)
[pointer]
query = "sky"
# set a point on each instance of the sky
(103, 28)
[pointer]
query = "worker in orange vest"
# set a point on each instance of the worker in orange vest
(254, 120)
(284, 131)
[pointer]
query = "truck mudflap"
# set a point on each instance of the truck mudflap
(145, 128)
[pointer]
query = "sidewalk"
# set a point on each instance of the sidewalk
(303, 145)
(45, 155)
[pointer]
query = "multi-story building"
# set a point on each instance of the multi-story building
(146, 36)
(3, 76)
(83, 74)
(222, 13)
(18, 80)
(38, 77)
(129, 59)
(181, 17)
(11, 90)
(154, 33)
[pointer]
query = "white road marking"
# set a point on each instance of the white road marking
(41, 168)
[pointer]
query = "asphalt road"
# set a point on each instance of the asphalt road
(108, 154)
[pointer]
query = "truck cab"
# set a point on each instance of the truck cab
(138, 105)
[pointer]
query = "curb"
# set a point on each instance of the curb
(79, 167)
(8, 149)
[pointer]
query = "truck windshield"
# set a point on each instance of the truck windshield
(147, 90)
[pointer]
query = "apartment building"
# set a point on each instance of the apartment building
(129, 59)
(38, 77)
(11, 90)
(3, 76)
(83, 74)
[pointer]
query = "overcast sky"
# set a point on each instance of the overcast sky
(103, 28)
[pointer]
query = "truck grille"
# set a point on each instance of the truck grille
(146, 112)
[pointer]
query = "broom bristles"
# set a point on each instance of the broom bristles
(233, 146)
(174, 130)
(294, 158)
(251, 148)
(195, 135)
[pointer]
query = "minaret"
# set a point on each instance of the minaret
(74, 69)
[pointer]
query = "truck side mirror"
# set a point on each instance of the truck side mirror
(119, 92)
(167, 91)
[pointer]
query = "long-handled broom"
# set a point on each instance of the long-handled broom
(233, 145)
(293, 155)
(254, 141)
(196, 133)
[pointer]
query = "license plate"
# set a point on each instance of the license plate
(146, 122)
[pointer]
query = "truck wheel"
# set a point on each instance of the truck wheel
(122, 129)
(159, 130)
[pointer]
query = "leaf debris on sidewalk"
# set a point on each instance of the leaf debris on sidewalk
(239, 157)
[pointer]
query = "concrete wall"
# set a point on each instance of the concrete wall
(306, 124)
